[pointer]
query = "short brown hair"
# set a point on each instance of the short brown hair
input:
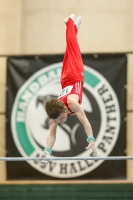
(54, 107)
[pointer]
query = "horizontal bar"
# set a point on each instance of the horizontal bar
(65, 158)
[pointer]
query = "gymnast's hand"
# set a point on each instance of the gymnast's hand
(45, 154)
(91, 145)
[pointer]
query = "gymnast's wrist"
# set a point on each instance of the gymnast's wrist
(49, 150)
(90, 138)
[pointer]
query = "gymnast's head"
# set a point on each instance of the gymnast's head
(56, 110)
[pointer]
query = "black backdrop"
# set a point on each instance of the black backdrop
(112, 67)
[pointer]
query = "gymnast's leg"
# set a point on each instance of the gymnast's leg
(72, 70)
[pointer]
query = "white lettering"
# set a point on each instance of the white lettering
(26, 96)
(20, 116)
(34, 87)
(42, 80)
(22, 106)
(52, 74)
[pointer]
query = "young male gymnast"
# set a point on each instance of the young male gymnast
(72, 80)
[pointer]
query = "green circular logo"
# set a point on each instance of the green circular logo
(30, 132)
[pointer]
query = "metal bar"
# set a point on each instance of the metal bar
(65, 158)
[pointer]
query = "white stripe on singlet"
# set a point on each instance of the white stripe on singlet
(78, 87)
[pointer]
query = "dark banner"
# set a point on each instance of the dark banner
(30, 81)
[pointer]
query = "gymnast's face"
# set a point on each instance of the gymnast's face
(62, 118)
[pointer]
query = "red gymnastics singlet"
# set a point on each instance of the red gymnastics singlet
(72, 75)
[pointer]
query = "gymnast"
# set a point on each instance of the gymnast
(72, 80)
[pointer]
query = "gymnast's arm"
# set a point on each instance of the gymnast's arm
(49, 142)
(73, 104)
(52, 134)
